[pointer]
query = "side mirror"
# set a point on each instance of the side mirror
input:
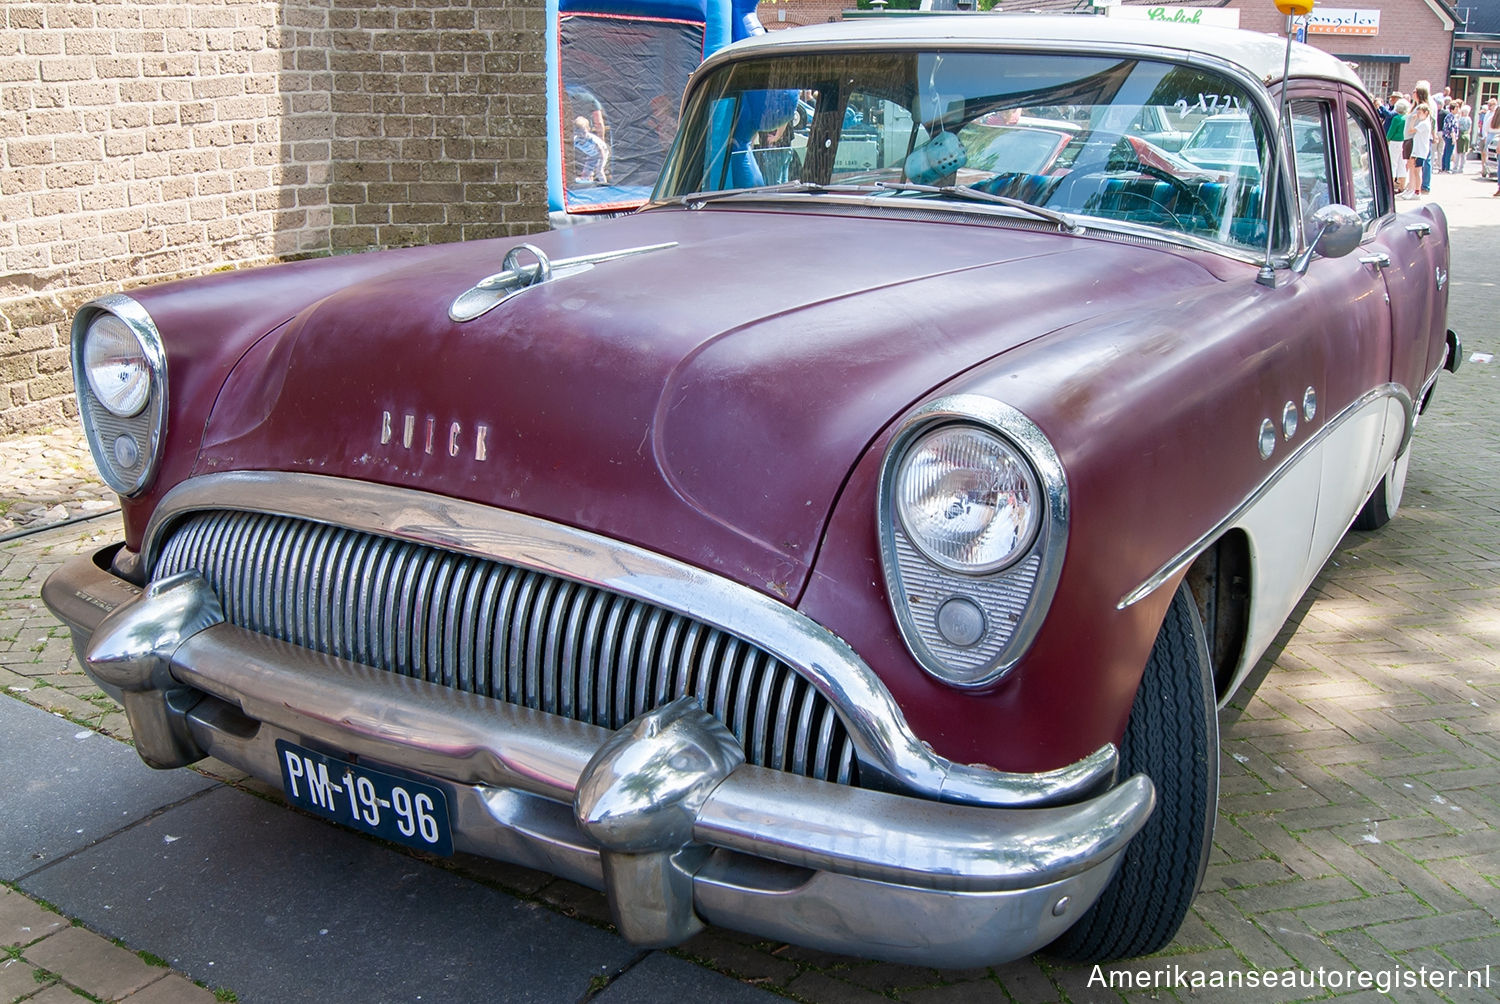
(1339, 230)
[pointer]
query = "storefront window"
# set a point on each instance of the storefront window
(1379, 78)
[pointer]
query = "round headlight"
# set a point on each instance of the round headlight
(967, 499)
(116, 366)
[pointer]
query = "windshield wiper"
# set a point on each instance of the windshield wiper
(789, 187)
(1063, 220)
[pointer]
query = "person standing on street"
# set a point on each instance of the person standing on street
(1482, 129)
(1395, 141)
(1448, 133)
(1421, 97)
(1420, 166)
(1465, 135)
(1386, 109)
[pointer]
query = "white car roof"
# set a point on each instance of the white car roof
(1260, 54)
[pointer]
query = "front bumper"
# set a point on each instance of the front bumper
(663, 815)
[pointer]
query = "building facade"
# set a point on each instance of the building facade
(1475, 71)
(1392, 44)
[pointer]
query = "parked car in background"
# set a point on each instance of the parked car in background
(855, 560)
(1166, 127)
(1222, 142)
(1005, 144)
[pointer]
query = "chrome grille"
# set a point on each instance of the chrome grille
(505, 632)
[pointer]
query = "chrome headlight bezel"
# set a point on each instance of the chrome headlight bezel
(968, 624)
(125, 441)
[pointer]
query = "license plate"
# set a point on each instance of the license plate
(398, 809)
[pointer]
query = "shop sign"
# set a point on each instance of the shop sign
(1219, 17)
(1342, 21)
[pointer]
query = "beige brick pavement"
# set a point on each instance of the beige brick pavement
(1360, 822)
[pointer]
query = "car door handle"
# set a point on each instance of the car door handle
(1420, 229)
(1379, 259)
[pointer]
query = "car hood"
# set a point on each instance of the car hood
(706, 400)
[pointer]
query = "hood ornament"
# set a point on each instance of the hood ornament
(518, 275)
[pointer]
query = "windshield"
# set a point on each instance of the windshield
(1103, 137)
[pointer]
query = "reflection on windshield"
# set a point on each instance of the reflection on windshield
(1156, 144)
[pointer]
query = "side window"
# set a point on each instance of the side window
(1310, 153)
(1370, 196)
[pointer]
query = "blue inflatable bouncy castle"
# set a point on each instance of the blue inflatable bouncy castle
(616, 70)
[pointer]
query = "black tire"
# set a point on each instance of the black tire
(1172, 738)
(1386, 498)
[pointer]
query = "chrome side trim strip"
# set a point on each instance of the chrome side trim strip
(1189, 554)
(884, 743)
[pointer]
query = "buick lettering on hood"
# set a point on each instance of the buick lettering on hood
(852, 546)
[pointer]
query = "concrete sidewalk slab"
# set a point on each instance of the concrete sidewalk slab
(63, 787)
(660, 978)
(235, 890)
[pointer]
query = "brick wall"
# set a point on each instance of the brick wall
(777, 14)
(439, 119)
(151, 139)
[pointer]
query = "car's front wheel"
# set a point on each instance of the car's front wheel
(1172, 738)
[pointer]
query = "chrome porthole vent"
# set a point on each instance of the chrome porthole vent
(1267, 441)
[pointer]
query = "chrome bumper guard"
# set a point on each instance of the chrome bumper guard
(663, 815)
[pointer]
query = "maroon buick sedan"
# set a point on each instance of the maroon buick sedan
(851, 547)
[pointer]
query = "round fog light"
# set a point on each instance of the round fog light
(961, 622)
(127, 453)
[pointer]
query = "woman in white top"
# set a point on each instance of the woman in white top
(1421, 150)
